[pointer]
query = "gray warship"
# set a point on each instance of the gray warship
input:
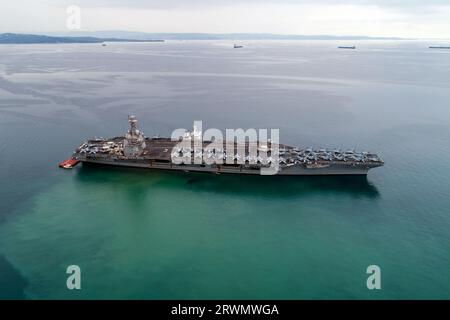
(135, 150)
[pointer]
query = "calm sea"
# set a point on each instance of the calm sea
(154, 235)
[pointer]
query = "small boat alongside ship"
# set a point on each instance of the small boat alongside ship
(68, 163)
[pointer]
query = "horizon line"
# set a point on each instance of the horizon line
(287, 35)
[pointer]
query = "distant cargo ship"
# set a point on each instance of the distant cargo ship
(135, 150)
(346, 47)
(438, 47)
(236, 46)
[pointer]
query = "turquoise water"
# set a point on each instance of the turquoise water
(160, 235)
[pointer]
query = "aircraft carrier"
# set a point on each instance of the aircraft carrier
(135, 150)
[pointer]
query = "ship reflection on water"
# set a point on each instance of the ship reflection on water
(243, 185)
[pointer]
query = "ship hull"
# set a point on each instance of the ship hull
(196, 155)
(296, 170)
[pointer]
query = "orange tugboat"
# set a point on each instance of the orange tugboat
(68, 163)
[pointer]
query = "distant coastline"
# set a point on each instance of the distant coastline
(129, 36)
(15, 38)
(215, 36)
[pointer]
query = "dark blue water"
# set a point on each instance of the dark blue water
(145, 234)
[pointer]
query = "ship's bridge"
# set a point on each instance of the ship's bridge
(134, 142)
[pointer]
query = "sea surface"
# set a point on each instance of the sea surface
(144, 234)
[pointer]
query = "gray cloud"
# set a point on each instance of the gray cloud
(399, 18)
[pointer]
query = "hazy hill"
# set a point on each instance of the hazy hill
(212, 36)
(14, 38)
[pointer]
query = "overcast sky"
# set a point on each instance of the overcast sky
(401, 18)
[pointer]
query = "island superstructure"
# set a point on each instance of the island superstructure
(135, 150)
